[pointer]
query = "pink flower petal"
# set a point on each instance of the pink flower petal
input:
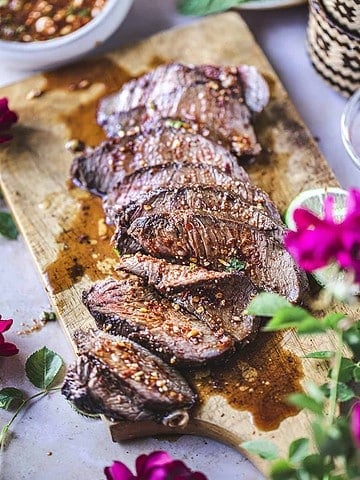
(5, 325)
(145, 462)
(355, 424)
(118, 471)
(8, 349)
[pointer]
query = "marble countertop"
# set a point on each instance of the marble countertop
(50, 440)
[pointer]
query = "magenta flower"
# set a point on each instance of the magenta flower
(355, 424)
(7, 349)
(155, 466)
(7, 118)
(319, 241)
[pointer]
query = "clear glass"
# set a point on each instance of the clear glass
(350, 127)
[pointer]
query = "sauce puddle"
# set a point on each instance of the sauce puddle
(257, 379)
(81, 76)
(85, 247)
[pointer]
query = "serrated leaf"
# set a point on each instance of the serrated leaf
(8, 396)
(344, 393)
(352, 338)
(267, 304)
(298, 450)
(7, 226)
(294, 317)
(321, 354)
(282, 470)
(205, 7)
(302, 400)
(42, 367)
(264, 448)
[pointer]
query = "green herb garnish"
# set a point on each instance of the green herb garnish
(235, 264)
(205, 7)
(7, 226)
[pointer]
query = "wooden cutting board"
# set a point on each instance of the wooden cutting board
(63, 226)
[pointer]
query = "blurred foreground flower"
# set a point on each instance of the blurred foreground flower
(7, 349)
(355, 424)
(318, 241)
(155, 466)
(7, 118)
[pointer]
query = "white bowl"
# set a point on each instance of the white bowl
(58, 51)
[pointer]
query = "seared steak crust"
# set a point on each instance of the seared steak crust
(138, 373)
(131, 309)
(217, 298)
(218, 201)
(222, 97)
(157, 142)
(213, 242)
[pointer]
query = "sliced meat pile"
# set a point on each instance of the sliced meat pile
(196, 238)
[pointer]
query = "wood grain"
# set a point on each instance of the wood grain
(35, 168)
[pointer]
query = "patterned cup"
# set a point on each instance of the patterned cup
(333, 50)
(345, 12)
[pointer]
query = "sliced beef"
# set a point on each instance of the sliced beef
(214, 242)
(165, 276)
(157, 142)
(121, 379)
(218, 201)
(220, 97)
(217, 298)
(131, 309)
(94, 390)
(176, 175)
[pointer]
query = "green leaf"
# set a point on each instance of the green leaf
(322, 354)
(282, 470)
(235, 265)
(7, 226)
(346, 369)
(344, 393)
(42, 367)
(8, 396)
(264, 448)
(205, 7)
(315, 392)
(294, 317)
(352, 338)
(298, 450)
(356, 373)
(332, 319)
(314, 464)
(302, 400)
(266, 304)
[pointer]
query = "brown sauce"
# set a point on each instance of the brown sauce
(85, 247)
(257, 379)
(29, 21)
(82, 120)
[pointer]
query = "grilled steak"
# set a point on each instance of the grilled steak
(123, 380)
(187, 234)
(157, 142)
(93, 390)
(133, 310)
(220, 97)
(218, 201)
(176, 175)
(217, 298)
(165, 276)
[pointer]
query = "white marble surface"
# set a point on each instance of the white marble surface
(81, 447)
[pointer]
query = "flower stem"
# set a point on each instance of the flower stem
(6, 427)
(335, 379)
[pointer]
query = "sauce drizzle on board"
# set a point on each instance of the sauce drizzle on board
(257, 379)
(81, 121)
